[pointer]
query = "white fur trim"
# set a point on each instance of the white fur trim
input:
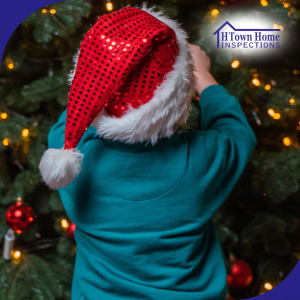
(170, 103)
(60, 167)
(75, 61)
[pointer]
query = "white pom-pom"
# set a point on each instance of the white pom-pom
(59, 167)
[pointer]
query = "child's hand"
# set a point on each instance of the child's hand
(200, 58)
(202, 68)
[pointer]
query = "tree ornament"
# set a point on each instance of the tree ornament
(9, 243)
(71, 230)
(19, 217)
(241, 273)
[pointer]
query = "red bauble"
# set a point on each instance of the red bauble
(19, 217)
(70, 231)
(241, 274)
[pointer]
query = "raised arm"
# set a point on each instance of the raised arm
(222, 113)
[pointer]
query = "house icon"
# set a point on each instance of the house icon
(217, 32)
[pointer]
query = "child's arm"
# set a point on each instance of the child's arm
(222, 112)
(56, 137)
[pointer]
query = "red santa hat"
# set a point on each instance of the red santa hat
(133, 81)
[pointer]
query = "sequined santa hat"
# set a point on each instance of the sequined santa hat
(133, 81)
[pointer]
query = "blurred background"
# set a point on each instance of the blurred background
(259, 223)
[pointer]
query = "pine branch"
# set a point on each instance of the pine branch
(62, 25)
(47, 59)
(27, 119)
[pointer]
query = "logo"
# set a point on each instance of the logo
(246, 38)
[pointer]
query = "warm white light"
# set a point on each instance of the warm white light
(287, 142)
(268, 286)
(109, 6)
(256, 82)
(271, 112)
(64, 223)
(264, 3)
(25, 132)
(235, 64)
(215, 12)
(277, 116)
(11, 65)
(292, 101)
(5, 142)
(3, 116)
(17, 254)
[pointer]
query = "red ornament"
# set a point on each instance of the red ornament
(71, 230)
(241, 274)
(19, 217)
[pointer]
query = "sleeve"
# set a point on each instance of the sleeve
(222, 113)
(56, 136)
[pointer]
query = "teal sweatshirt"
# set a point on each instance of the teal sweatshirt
(143, 212)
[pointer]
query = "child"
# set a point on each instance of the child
(141, 197)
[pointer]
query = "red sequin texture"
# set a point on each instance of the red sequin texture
(123, 59)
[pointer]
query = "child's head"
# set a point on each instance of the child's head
(133, 81)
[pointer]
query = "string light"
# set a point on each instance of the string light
(223, 2)
(17, 254)
(52, 11)
(64, 223)
(277, 116)
(287, 142)
(44, 10)
(271, 112)
(256, 82)
(25, 132)
(3, 116)
(268, 286)
(280, 27)
(264, 3)
(215, 12)
(286, 5)
(275, 26)
(292, 101)
(109, 5)
(16, 257)
(235, 64)
(296, 72)
(19, 199)
(5, 142)
(267, 87)
(11, 65)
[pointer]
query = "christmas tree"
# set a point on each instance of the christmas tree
(257, 225)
